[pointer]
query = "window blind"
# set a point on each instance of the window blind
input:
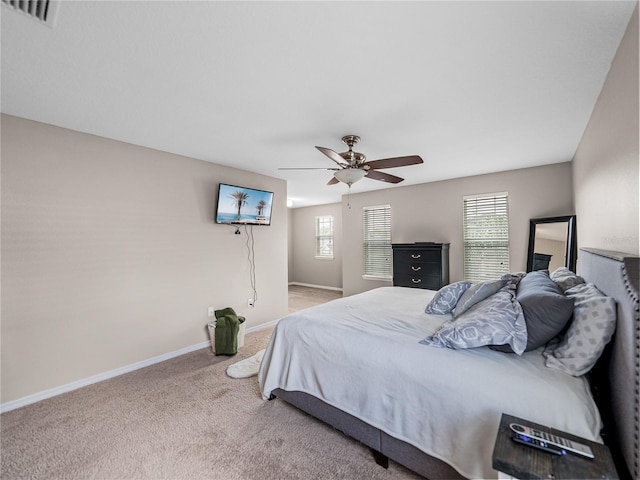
(324, 237)
(376, 227)
(485, 236)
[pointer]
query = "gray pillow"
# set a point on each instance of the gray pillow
(476, 293)
(496, 320)
(594, 321)
(546, 309)
(566, 279)
(446, 298)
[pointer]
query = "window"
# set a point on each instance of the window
(485, 236)
(324, 237)
(376, 227)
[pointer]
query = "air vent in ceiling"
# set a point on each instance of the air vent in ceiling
(44, 11)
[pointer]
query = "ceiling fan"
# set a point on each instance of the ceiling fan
(352, 166)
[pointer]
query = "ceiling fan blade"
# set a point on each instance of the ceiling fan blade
(332, 155)
(394, 162)
(333, 181)
(308, 168)
(384, 177)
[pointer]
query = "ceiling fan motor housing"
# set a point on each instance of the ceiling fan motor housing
(354, 158)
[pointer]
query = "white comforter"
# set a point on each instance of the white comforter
(361, 354)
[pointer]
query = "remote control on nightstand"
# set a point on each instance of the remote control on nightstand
(563, 443)
(539, 444)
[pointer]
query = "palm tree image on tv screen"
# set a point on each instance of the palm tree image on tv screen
(243, 205)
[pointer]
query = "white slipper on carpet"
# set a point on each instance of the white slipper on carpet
(247, 367)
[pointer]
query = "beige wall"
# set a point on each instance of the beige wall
(606, 162)
(433, 212)
(290, 229)
(305, 267)
(111, 256)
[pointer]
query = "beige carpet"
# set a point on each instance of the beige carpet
(179, 419)
(303, 297)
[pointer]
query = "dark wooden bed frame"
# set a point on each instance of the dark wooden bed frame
(615, 381)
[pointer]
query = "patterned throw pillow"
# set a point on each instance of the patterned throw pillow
(566, 279)
(594, 321)
(476, 293)
(514, 277)
(496, 320)
(446, 298)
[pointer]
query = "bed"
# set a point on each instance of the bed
(357, 363)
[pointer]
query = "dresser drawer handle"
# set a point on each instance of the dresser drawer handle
(413, 255)
(415, 269)
(416, 280)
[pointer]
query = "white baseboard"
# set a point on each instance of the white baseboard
(263, 326)
(315, 286)
(52, 392)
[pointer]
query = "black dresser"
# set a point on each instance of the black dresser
(421, 265)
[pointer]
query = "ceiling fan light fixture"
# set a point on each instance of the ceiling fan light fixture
(349, 175)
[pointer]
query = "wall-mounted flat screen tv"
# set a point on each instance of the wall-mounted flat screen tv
(244, 206)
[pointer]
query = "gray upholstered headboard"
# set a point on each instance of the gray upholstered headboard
(618, 375)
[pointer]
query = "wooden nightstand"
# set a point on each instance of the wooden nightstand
(523, 462)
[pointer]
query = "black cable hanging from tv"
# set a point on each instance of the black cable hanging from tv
(250, 243)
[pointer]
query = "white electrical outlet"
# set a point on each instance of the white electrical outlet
(211, 312)
(250, 302)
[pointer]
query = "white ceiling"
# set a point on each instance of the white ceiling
(473, 87)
